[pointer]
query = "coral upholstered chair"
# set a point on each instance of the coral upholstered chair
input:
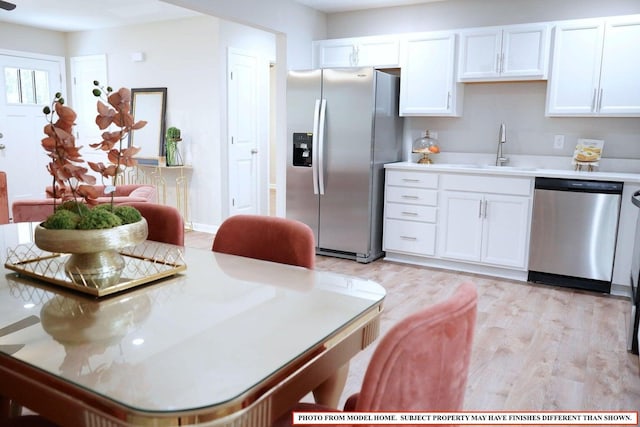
(421, 364)
(4, 199)
(267, 238)
(165, 223)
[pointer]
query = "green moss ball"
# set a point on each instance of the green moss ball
(127, 214)
(62, 220)
(97, 219)
(106, 206)
(73, 206)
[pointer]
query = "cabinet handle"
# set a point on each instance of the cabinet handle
(593, 100)
(479, 208)
(413, 239)
(410, 180)
(600, 100)
(404, 196)
(485, 209)
(498, 63)
(448, 100)
(409, 213)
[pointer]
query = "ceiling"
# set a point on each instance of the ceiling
(79, 15)
(331, 6)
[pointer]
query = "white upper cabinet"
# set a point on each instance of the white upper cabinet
(427, 83)
(515, 52)
(595, 68)
(376, 51)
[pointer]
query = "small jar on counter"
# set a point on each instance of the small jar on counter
(426, 145)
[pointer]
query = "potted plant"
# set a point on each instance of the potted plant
(91, 233)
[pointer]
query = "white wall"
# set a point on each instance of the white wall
(519, 105)
(451, 14)
(295, 26)
(188, 57)
(29, 39)
(301, 24)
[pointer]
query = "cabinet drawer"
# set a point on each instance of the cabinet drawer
(416, 196)
(488, 184)
(406, 236)
(411, 212)
(412, 179)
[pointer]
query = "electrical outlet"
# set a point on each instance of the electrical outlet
(558, 142)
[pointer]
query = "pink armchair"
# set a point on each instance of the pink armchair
(35, 210)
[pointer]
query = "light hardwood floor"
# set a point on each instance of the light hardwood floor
(536, 347)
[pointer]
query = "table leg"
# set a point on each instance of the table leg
(9, 408)
(328, 393)
(5, 408)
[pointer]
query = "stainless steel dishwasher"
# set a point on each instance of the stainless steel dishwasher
(574, 232)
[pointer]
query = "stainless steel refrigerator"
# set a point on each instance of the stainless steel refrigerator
(343, 126)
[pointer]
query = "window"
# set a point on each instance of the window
(27, 86)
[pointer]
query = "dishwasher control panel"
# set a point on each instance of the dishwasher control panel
(587, 186)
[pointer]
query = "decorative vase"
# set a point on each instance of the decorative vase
(174, 156)
(94, 260)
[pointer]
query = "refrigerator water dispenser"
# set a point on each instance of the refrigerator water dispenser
(302, 144)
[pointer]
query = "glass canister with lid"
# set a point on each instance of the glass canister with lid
(426, 145)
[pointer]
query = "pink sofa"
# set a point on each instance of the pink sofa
(35, 210)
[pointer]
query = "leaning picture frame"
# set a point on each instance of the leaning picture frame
(149, 104)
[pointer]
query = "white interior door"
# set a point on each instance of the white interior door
(243, 133)
(27, 83)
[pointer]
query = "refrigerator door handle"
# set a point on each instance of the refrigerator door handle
(314, 150)
(320, 159)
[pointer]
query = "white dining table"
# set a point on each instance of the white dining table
(230, 341)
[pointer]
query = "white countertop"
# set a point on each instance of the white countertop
(529, 166)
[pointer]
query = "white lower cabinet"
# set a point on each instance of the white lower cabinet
(457, 220)
(486, 228)
(411, 200)
(412, 237)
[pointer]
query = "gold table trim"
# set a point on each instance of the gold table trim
(144, 263)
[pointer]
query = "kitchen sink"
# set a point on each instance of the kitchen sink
(457, 165)
(480, 166)
(516, 168)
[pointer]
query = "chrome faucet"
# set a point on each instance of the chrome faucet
(502, 138)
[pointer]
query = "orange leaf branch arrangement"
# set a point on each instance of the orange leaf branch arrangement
(72, 182)
(91, 233)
